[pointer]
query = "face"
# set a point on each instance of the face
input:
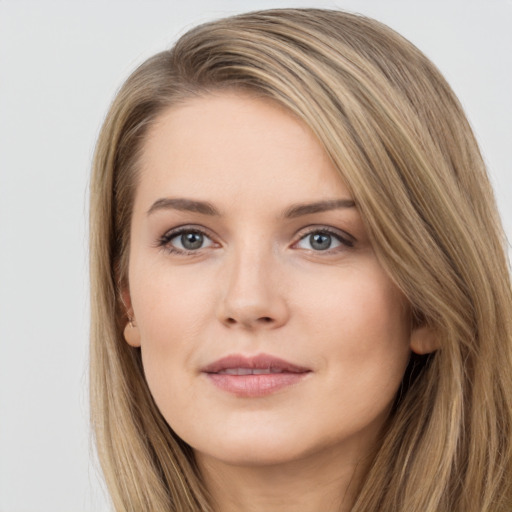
(269, 331)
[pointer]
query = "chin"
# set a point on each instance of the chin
(252, 455)
(260, 448)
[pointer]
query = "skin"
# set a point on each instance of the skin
(259, 285)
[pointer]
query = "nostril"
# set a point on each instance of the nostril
(261, 320)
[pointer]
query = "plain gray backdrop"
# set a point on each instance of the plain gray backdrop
(60, 65)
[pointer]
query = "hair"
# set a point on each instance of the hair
(400, 141)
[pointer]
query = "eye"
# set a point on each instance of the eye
(183, 241)
(323, 240)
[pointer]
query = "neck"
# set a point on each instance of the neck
(307, 485)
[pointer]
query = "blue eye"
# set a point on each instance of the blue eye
(185, 240)
(322, 240)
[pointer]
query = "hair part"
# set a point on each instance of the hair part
(400, 141)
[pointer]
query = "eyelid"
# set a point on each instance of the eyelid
(163, 241)
(346, 239)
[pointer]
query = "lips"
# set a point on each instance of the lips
(249, 371)
(255, 376)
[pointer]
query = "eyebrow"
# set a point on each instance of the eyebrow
(297, 210)
(206, 208)
(184, 205)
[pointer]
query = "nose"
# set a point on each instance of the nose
(253, 292)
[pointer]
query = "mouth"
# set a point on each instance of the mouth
(253, 376)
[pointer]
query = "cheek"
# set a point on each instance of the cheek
(363, 321)
(170, 304)
(361, 303)
(172, 316)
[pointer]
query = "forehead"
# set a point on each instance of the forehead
(230, 146)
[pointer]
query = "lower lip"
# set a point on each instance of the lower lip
(255, 385)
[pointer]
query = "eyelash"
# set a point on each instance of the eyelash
(164, 241)
(346, 240)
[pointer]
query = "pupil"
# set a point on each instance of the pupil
(192, 240)
(320, 241)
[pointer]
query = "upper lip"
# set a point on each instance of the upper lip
(257, 362)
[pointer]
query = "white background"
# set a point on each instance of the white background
(60, 65)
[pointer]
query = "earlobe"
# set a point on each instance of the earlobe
(423, 340)
(131, 331)
(132, 334)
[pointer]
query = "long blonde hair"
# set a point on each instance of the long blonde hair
(400, 140)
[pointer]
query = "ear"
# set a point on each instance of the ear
(423, 340)
(131, 331)
(126, 299)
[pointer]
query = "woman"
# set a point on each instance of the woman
(300, 295)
